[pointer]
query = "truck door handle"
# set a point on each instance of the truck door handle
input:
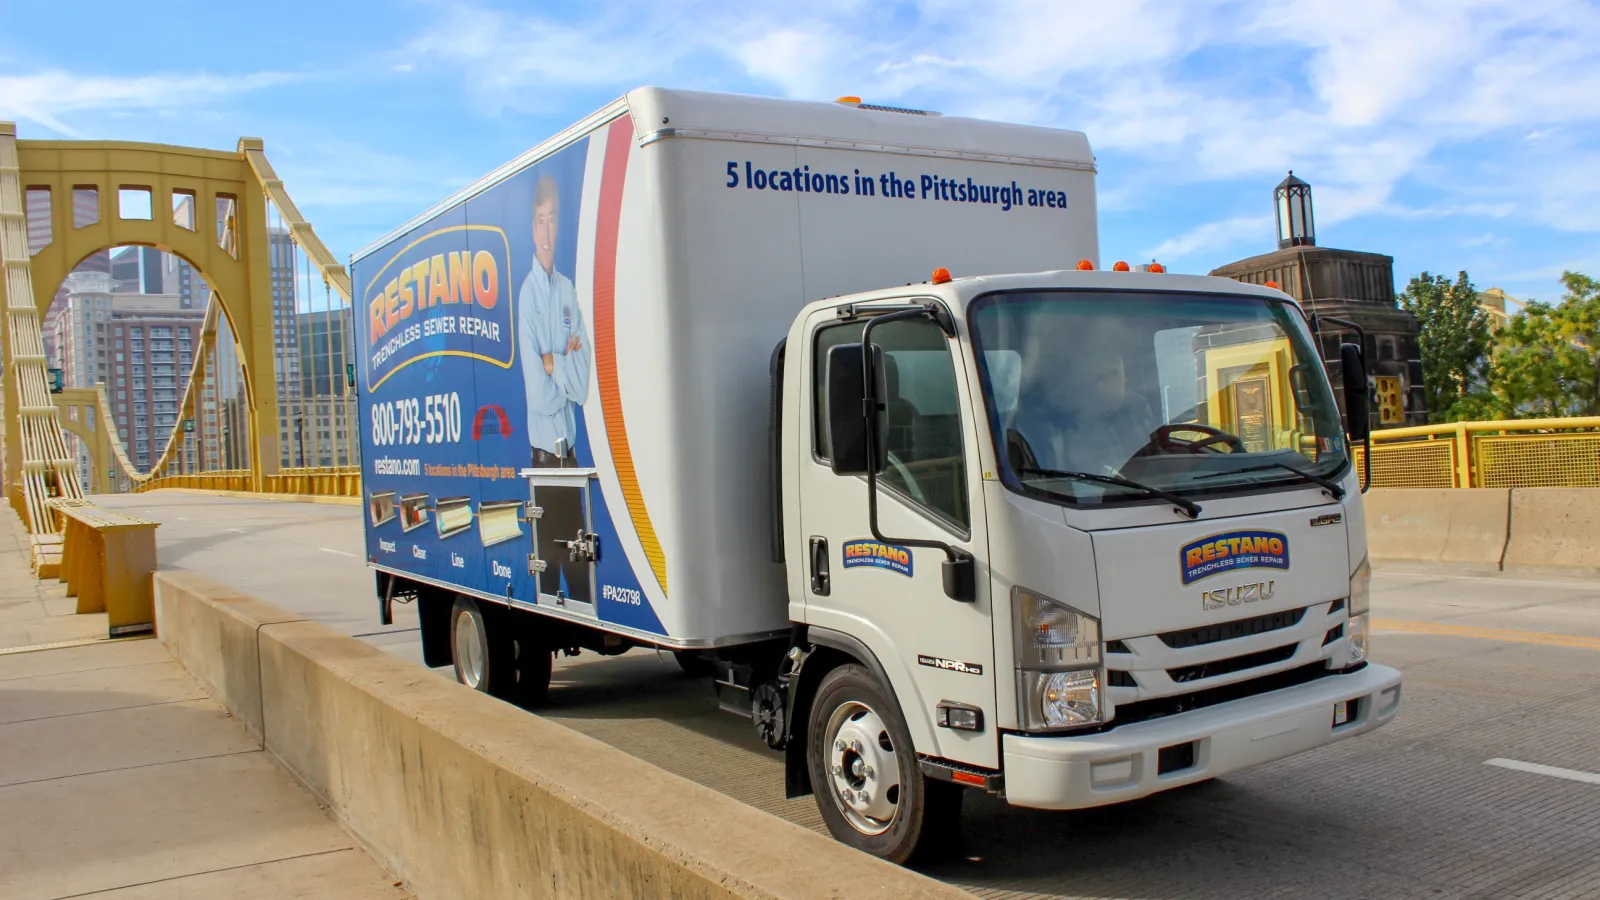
(819, 566)
(584, 548)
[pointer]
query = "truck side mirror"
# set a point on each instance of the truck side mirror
(847, 411)
(1355, 392)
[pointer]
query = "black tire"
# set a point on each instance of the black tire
(528, 662)
(692, 663)
(914, 816)
(491, 650)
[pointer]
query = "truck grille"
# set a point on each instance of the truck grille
(1145, 710)
(1227, 631)
(1232, 664)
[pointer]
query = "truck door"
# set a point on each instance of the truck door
(890, 597)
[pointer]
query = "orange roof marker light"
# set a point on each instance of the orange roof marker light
(1119, 266)
(1156, 268)
(1273, 285)
(1085, 266)
(941, 275)
(856, 101)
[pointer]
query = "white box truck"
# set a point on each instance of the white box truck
(679, 378)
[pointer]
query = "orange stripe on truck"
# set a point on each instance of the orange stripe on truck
(619, 140)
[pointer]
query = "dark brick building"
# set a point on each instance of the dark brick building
(1345, 284)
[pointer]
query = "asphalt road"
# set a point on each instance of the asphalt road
(1497, 668)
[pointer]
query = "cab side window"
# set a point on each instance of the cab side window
(926, 453)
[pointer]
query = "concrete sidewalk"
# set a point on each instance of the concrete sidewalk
(120, 778)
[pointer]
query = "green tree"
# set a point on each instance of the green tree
(1547, 358)
(1455, 344)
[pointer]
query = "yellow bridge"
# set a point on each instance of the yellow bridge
(246, 420)
(250, 421)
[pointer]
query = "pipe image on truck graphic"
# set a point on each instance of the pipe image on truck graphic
(1064, 535)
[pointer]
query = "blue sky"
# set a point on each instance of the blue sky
(1450, 135)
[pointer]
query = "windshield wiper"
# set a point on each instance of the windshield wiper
(1189, 507)
(1334, 489)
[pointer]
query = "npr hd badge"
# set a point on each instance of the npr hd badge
(877, 555)
(1233, 550)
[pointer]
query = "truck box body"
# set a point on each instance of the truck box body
(623, 390)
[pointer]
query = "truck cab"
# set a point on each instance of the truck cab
(1069, 537)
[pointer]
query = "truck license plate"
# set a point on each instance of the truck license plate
(1341, 713)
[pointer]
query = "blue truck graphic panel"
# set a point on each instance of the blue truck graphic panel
(476, 362)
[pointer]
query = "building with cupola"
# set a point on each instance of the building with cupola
(1343, 284)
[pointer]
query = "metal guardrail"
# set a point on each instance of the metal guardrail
(1513, 453)
(325, 481)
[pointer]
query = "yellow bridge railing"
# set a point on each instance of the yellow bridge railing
(1499, 454)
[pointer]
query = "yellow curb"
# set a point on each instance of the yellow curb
(251, 495)
(1490, 634)
(80, 642)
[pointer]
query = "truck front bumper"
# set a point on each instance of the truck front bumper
(1124, 763)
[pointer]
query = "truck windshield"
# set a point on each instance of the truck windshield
(1185, 393)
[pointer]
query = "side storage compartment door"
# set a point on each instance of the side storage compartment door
(889, 596)
(564, 544)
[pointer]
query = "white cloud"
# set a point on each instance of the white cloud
(1357, 95)
(47, 97)
(1212, 237)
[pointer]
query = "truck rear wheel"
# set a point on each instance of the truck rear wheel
(869, 788)
(469, 645)
(493, 653)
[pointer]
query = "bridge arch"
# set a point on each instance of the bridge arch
(210, 328)
(208, 207)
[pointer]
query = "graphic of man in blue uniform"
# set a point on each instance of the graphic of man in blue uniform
(551, 341)
(554, 348)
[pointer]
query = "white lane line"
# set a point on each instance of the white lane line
(238, 530)
(1552, 771)
(340, 552)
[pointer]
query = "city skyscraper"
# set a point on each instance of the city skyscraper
(282, 256)
(105, 327)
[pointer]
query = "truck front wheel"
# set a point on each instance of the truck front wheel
(869, 788)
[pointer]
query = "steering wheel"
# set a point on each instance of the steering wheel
(906, 479)
(1163, 439)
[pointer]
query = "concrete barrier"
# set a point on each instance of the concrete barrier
(465, 797)
(212, 630)
(1458, 527)
(1555, 530)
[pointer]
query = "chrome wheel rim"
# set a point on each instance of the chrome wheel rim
(469, 650)
(863, 768)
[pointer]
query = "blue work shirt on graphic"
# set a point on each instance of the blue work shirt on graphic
(547, 318)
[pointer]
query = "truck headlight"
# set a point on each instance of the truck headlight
(1360, 609)
(1059, 678)
(1061, 699)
